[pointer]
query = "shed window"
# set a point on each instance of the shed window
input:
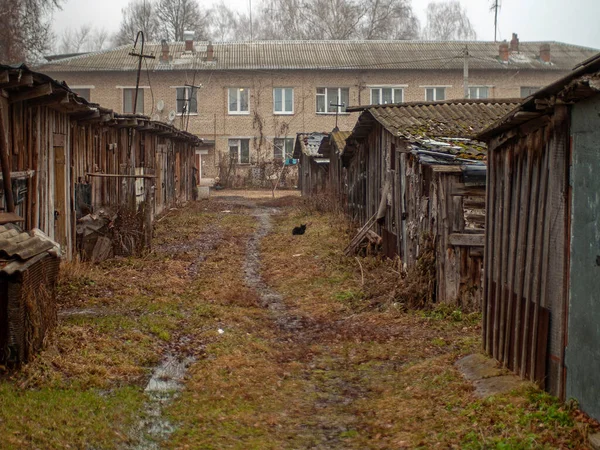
(128, 98)
(283, 100)
(386, 95)
(326, 97)
(433, 94)
(479, 92)
(283, 148)
(239, 101)
(239, 151)
(187, 100)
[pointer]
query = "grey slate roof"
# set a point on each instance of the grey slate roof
(463, 118)
(581, 83)
(18, 249)
(323, 55)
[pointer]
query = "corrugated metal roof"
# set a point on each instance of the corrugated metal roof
(450, 119)
(18, 248)
(323, 55)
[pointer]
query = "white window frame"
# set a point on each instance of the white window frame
(238, 112)
(187, 90)
(435, 88)
(325, 95)
(489, 91)
(283, 90)
(238, 141)
(381, 87)
(141, 90)
(283, 150)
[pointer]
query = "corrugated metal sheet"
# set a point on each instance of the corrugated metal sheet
(323, 55)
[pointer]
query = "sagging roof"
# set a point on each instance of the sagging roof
(24, 85)
(581, 83)
(308, 144)
(323, 55)
(463, 118)
(336, 142)
(437, 132)
(18, 249)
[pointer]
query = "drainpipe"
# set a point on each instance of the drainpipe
(4, 160)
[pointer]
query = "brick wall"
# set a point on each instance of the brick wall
(213, 121)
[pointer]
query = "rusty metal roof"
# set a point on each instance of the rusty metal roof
(18, 248)
(323, 55)
(449, 119)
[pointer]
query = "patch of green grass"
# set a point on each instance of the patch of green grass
(57, 418)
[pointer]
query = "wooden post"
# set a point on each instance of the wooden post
(4, 160)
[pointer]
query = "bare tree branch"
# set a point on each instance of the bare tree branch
(448, 21)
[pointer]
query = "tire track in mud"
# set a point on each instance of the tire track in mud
(329, 416)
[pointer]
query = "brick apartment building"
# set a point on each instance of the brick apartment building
(254, 97)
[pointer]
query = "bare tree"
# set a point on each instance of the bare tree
(448, 21)
(177, 16)
(225, 24)
(82, 39)
(25, 29)
(138, 15)
(337, 19)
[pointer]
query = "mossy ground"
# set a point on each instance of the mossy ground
(343, 365)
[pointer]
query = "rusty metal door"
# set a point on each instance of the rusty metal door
(583, 350)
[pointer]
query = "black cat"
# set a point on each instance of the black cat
(299, 230)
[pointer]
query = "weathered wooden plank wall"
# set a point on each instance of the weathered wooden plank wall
(525, 262)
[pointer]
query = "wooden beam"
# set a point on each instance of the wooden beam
(36, 92)
(466, 240)
(24, 80)
(57, 98)
(4, 77)
(88, 115)
(116, 175)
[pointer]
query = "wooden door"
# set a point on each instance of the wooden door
(60, 197)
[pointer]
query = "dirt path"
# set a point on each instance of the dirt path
(234, 334)
(327, 420)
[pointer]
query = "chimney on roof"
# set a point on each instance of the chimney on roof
(210, 52)
(503, 51)
(188, 37)
(514, 43)
(164, 55)
(545, 53)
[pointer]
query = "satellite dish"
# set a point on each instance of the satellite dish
(160, 105)
(156, 118)
(172, 115)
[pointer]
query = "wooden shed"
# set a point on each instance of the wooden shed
(332, 147)
(542, 265)
(313, 167)
(416, 175)
(64, 156)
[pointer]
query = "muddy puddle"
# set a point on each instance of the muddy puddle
(166, 382)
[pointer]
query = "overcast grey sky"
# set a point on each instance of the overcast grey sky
(573, 22)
